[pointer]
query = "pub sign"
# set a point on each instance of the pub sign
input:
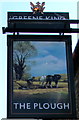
(40, 77)
(40, 69)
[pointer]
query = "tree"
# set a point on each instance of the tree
(22, 50)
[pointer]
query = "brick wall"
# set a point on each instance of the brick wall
(77, 92)
(76, 71)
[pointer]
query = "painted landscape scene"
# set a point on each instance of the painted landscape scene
(40, 71)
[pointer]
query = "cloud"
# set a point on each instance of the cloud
(48, 65)
(51, 58)
(47, 48)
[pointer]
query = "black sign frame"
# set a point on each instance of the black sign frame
(38, 16)
(70, 74)
(29, 20)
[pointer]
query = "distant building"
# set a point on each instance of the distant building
(76, 75)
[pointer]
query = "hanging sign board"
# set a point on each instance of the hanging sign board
(37, 21)
(40, 77)
(30, 16)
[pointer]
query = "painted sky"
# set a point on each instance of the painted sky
(50, 58)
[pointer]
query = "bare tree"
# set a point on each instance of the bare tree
(22, 50)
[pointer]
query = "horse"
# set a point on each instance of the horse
(48, 79)
(56, 78)
(42, 80)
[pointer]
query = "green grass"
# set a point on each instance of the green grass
(62, 88)
(24, 83)
(40, 94)
(36, 93)
(61, 83)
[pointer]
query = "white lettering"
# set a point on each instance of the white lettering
(40, 17)
(34, 17)
(16, 105)
(10, 17)
(35, 105)
(25, 17)
(20, 17)
(66, 105)
(47, 17)
(46, 105)
(15, 17)
(53, 106)
(55, 18)
(59, 106)
(62, 18)
(37, 17)
(28, 106)
(52, 18)
(29, 17)
(22, 105)
(40, 106)
(59, 18)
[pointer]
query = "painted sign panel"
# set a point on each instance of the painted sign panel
(40, 77)
(38, 16)
(30, 20)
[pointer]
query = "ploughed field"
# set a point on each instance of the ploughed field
(20, 93)
(62, 90)
(36, 90)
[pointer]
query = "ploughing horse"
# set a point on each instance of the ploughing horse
(42, 80)
(47, 80)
